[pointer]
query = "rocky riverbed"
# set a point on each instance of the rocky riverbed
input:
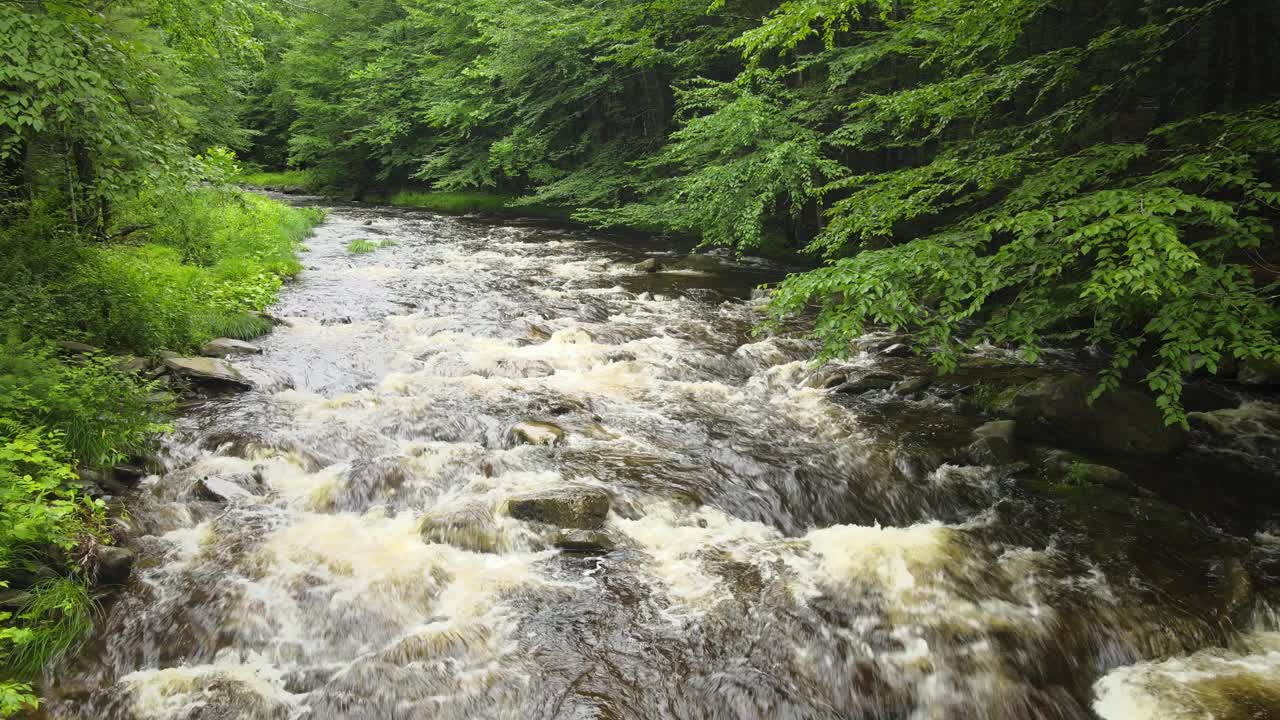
(515, 470)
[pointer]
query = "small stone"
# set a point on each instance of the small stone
(897, 350)
(584, 541)
(581, 508)
(536, 432)
(224, 347)
(115, 565)
(368, 223)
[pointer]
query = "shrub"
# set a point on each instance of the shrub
(100, 414)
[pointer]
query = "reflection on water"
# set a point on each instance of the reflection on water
(777, 550)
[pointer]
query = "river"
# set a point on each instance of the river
(780, 550)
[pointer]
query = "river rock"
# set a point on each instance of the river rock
(224, 347)
(470, 527)
(581, 508)
(1069, 468)
(897, 350)
(72, 346)
(115, 564)
(912, 386)
(216, 489)
(993, 443)
(1259, 372)
(651, 265)
(1124, 420)
(867, 383)
(131, 364)
(583, 541)
(536, 432)
(208, 370)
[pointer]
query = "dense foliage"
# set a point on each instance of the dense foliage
(117, 228)
(1016, 172)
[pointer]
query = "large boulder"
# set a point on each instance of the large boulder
(210, 371)
(469, 527)
(993, 443)
(580, 508)
(1124, 420)
(115, 564)
(1259, 372)
(225, 347)
(651, 265)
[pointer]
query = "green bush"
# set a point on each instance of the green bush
(195, 263)
(41, 518)
(100, 414)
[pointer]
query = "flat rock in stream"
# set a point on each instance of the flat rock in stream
(581, 508)
(225, 347)
(218, 490)
(210, 371)
(590, 542)
(536, 432)
(651, 265)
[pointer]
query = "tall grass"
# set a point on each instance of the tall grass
(60, 612)
(203, 259)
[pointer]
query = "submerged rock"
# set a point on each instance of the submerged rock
(209, 371)
(536, 432)
(651, 265)
(1125, 420)
(218, 490)
(912, 386)
(871, 381)
(115, 565)
(579, 508)
(583, 541)
(470, 527)
(224, 347)
(1259, 372)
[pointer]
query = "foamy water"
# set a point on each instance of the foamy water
(779, 551)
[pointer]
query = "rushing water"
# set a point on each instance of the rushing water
(782, 551)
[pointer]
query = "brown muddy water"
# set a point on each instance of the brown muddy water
(782, 550)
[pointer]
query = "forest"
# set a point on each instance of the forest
(1024, 174)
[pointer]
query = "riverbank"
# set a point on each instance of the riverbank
(83, 391)
(452, 203)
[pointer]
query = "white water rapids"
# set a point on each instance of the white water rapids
(780, 552)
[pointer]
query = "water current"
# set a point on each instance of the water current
(778, 550)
